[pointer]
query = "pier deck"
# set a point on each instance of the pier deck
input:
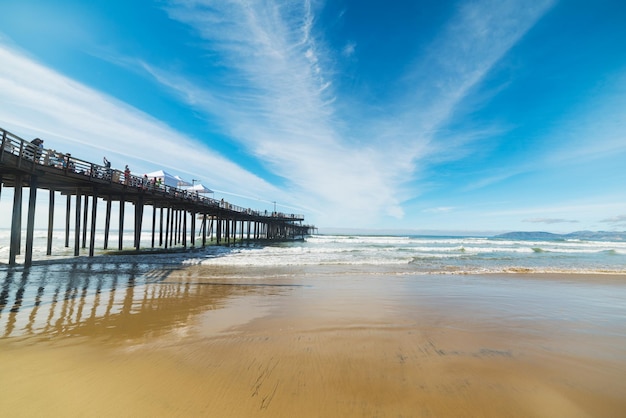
(24, 164)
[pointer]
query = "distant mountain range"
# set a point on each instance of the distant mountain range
(586, 235)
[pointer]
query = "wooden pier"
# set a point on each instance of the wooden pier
(24, 164)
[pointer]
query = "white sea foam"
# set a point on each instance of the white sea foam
(403, 254)
(456, 255)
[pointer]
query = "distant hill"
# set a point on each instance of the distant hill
(586, 235)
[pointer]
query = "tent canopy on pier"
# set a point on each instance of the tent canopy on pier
(198, 188)
(166, 178)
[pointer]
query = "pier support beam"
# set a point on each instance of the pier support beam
(218, 229)
(167, 226)
(107, 223)
(184, 215)
(85, 213)
(50, 222)
(153, 225)
(77, 226)
(30, 223)
(171, 226)
(68, 211)
(161, 226)
(14, 248)
(204, 228)
(92, 237)
(138, 221)
(121, 231)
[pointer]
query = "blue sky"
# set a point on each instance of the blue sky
(484, 115)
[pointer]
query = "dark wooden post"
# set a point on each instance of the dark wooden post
(85, 213)
(161, 226)
(138, 221)
(68, 211)
(184, 216)
(193, 228)
(121, 231)
(218, 230)
(30, 223)
(94, 208)
(153, 224)
(92, 238)
(50, 222)
(172, 226)
(77, 226)
(204, 228)
(167, 226)
(179, 224)
(107, 223)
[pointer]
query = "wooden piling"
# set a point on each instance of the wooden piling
(107, 223)
(167, 226)
(50, 222)
(85, 213)
(77, 225)
(15, 220)
(68, 210)
(121, 223)
(154, 210)
(30, 223)
(92, 237)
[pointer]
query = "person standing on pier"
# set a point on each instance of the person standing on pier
(38, 143)
(127, 175)
(107, 166)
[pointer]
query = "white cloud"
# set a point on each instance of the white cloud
(286, 117)
(349, 49)
(282, 110)
(441, 209)
(619, 220)
(74, 118)
(549, 220)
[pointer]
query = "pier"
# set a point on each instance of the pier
(179, 216)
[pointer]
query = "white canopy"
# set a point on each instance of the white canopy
(181, 183)
(166, 178)
(198, 188)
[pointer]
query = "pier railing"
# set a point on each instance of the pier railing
(70, 165)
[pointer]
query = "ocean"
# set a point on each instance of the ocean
(400, 254)
(434, 255)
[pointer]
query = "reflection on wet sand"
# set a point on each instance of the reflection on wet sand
(109, 300)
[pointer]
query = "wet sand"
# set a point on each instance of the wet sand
(242, 345)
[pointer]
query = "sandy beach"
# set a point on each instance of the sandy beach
(203, 342)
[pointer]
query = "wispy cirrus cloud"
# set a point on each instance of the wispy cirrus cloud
(472, 42)
(284, 114)
(269, 85)
(74, 118)
(283, 108)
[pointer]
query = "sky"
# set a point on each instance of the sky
(429, 115)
